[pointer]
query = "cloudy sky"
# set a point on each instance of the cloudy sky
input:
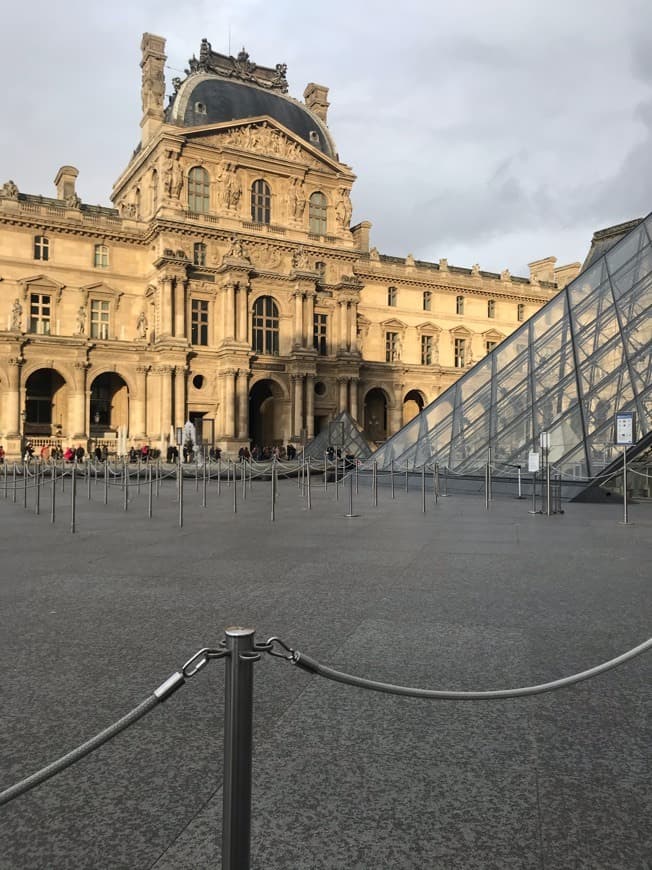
(489, 131)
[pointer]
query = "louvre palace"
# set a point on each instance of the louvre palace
(226, 285)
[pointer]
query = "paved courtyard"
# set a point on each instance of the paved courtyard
(458, 597)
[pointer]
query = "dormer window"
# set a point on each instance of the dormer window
(313, 136)
(200, 109)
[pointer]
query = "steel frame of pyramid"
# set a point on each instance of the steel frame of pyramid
(349, 438)
(567, 370)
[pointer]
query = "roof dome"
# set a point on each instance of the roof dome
(211, 96)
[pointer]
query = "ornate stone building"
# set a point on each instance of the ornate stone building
(227, 286)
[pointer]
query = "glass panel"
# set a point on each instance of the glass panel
(621, 255)
(587, 283)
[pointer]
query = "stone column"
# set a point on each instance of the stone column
(229, 403)
(298, 404)
(229, 311)
(342, 403)
(180, 308)
(165, 375)
(138, 405)
(353, 397)
(179, 375)
(243, 404)
(77, 402)
(165, 305)
(243, 313)
(342, 327)
(12, 398)
(298, 318)
(395, 418)
(310, 407)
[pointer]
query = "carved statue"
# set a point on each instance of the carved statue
(9, 190)
(398, 349)
(475, 269)
(298, 198)
(231, 190)
(299, 259)
(168, 174)
(343, 209)
(72, 200)
(236, 249)
(16, 316)
(176, 181)
(141, 326)
(81, 320)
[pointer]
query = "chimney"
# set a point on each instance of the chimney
(65, 182)
(153, 84)
(360, 233)
(316, 97)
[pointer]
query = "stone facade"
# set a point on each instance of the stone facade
(227, 287)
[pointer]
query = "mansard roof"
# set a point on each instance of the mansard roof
(219, 88)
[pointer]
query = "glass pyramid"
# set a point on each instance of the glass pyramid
(343, 433)
(581, 358)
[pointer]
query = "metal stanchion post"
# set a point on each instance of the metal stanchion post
(486, 486)
(357, 475)
(489, 493)
(88, 479)
(63, 475)
(238, 745)
(374, 480)
(95, 471)
(126, 487)
(158, 477)
(4, 469)
(406, 479)
(445, 492)
(273, 491)
(423, 488)
(625, 516)
(219, 476)
(149, 490)
(53, 494)
(180, 472)
(534, 493)
(235, 489)
(243, 478)
(391, 477)
(520, 490)
(325, 473)
(138, 467)
(350, 513)
(547, 484)
(25, 485)
(308, 487)
(13, 485)
(73, 501)
(204, 482)
(196, 471)
(37, 480)
(106, 481)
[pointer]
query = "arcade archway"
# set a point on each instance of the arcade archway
(266, 413)
(413, 404)
(109, 404)
(46, 404)
(375, 415)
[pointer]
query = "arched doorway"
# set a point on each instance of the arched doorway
(46, 404)
(413, 404)
(266, 413)
(375, 415)
(109, 404)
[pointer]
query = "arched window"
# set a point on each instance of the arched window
(264, 325)
(317, 214)
(198, 190)
(199, 254)
(261, 202)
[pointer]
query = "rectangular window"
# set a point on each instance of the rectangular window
(199, 254)
(41, 248)
(320, 334)
(460, 353)
(427, 300)
(490, 345)
(426, 350)
(40, 313)
(199, 321)
(520, 311)
(392, 347)
(491, 308)
(101, 259)
(459, 305)
(99, 319)
(392, 297)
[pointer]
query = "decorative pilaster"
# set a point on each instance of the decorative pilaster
(180, 308)
(179, 395)
(165, 405)
(243, 312)
(229, 312)
(12, 398)
(229, 403)
(297, 381)
(342, 326)
(353, 397)
(310, 317)
(77, 404)
(243, 403)
(139, 404)
(342, 384)
(298, 318)
(166, 289)
(310, 407)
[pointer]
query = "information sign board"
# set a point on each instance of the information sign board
(625, 428)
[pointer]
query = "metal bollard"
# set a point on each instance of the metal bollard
(73, 501)
(238, 745)
(520, 489)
